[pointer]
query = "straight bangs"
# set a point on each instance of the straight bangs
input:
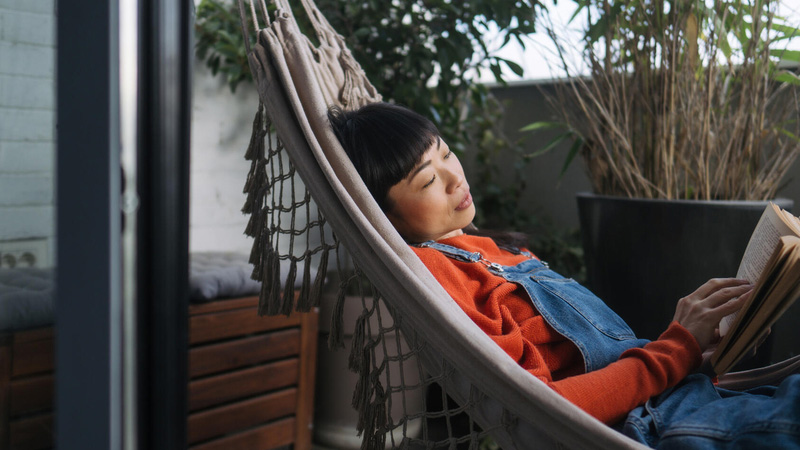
(385, 143)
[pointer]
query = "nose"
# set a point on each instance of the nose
(455, 178)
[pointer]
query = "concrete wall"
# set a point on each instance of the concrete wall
(221, 127)
(546, 192)
(27, 124)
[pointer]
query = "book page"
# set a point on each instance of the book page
(773, 296)
(792, 221)
(765, 237)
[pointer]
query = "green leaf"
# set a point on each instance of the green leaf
(516, 68)
(788, 55)
(581, 5)
(787, 77)
(535, 126)
(791, 135)
(576, 146)
(788, 31)
(551, 145)
(598, 29)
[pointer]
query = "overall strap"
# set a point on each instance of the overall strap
(461, 255)
(452, 252)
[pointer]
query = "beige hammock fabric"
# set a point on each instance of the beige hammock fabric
(297, 81)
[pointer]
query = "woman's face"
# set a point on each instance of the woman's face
(433, 201)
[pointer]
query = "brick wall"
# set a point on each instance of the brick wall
(27, 119)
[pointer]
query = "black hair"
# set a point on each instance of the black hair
(384, 141)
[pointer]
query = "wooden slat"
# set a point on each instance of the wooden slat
(32, 353)
(31, 433)
(223, 305)
(273, 435)
(36, 334)
(242, 383)
(31, 394)
(305, 386)
(237, 416)
(5, 387)
(240, 322)
(243, 352)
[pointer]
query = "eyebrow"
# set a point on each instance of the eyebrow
(426, 163)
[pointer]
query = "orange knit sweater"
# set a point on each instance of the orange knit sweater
(504, 312)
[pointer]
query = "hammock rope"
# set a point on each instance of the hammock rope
(275, 196)
(396, 366)
(410, 340)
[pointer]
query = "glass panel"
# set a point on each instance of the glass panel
(27, 231)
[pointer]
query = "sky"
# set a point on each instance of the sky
(534, 58)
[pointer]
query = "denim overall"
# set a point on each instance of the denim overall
(692, 415)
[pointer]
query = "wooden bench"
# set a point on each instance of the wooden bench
(251, 380)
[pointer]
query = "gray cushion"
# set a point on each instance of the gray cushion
(26, 294)
(26, 298)
(214, 275)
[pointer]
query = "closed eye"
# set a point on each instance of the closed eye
(449, 152)
(429, 182)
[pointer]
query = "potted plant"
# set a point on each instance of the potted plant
(687, 123)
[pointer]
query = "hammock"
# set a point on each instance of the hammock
(297, 80)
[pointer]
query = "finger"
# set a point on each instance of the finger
(727, 294)
(732, 306)
(715, 284)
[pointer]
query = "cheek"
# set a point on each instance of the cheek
(421, 215)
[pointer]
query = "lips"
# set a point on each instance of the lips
(465, 203)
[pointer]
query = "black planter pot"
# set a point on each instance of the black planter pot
(643, 255)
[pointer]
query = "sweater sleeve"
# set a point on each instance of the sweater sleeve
(503, 312)
(611, 392)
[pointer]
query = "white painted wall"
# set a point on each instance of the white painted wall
(27, 122)
(221, 126)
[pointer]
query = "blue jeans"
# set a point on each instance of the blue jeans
(696, 415)
(692, 415)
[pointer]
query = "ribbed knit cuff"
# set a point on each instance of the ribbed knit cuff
(678, 333)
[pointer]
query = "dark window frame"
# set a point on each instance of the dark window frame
(89, 374)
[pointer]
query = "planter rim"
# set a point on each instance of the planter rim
(777, 200)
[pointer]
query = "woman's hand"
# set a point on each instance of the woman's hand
(701, 311)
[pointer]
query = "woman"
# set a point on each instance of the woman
(553, 327)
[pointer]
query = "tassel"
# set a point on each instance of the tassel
(378, 423)
(255, 259)
(263, 299)
(356, 360)
(364, 426)
(252, 226)
(336, 336)
(316, 289)
(288, 289)
(257, 251)
(303, 303)
(274, 268)
(270, 284)
(361, 395)
(257, 136)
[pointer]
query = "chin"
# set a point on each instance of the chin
(470, 215)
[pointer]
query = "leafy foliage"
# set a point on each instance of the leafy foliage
(220, 41)
(685, 99)
(426, 55)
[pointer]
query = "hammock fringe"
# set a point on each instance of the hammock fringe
(287, 69)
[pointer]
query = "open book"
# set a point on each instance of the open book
(771, 263)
